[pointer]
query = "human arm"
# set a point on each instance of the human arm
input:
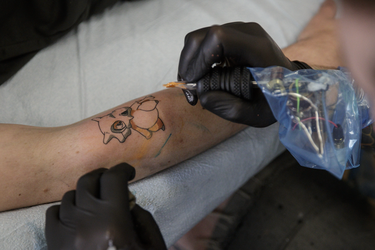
(318, 43)
(101, 214)
(38, 165)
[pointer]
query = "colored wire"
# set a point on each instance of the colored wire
(304, 98)
(320, 152)
(319, 132)
(308, 136)
(310, 118)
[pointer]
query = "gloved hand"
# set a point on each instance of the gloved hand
(233, 44)
(97, 216)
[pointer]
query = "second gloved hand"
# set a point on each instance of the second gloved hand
(233, 44)
(97, 216)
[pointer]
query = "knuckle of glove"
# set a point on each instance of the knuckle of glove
(89, 177)
(85, 181)
(256, 28)
(52, 213)
(216, 32)
(122, 167)
(123, 170)
(191, 38)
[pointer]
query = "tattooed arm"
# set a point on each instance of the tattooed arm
(38, 165)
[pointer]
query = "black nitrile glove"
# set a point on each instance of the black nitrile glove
(235, 44)
(97, 216)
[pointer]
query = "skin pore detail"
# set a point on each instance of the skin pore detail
(142, 116)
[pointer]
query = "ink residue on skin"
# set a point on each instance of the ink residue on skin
(200, 127)
(163, 146)
(143, 150)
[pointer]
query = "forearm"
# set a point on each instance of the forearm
(310, 53)
(179, 131)
(39, 164)
(318, 44)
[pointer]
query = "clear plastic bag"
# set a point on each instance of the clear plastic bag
(320, 113)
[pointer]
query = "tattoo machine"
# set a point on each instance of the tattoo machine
(236, 80)
(321, 113)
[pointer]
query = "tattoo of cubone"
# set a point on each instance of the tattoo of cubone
(142, 116)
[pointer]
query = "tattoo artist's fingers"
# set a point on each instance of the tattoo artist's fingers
(68, 210)
(258, 47)
(250, 28)
(147, 229)
(222, 104)
(220, 44)
(114, 184)
(58, 235)
(53, 226)
(237, 44)
(52, 218)
(88, 189)
(192, 43)
(204, 53)
(255, 113)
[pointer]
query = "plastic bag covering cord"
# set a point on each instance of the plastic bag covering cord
(321, 115)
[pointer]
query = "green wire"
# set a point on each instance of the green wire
(296, 83)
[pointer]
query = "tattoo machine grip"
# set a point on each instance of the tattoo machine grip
(235, 80)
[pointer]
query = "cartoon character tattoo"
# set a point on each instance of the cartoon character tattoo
(142, 116)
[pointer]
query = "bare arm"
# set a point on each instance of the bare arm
(38, 165)
(318, 43)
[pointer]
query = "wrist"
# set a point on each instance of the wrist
(320, 67)
(313, 54)
(300, 65)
